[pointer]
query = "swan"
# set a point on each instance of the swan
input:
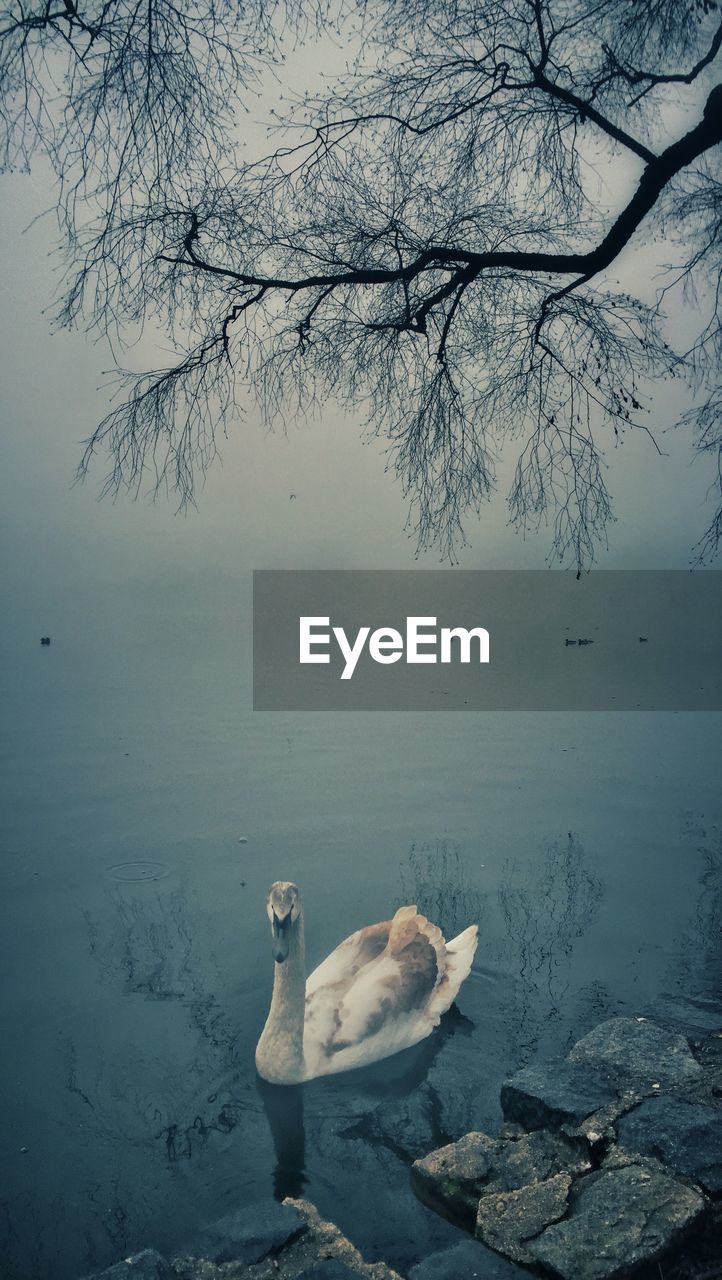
(382, 990)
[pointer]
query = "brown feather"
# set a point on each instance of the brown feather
(410, 987)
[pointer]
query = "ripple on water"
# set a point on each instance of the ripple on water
(138, 870)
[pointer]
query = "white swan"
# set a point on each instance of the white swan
(382, 990)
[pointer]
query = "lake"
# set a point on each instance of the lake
(147, 810)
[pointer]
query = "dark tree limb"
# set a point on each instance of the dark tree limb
(432, 249)
(467, 264)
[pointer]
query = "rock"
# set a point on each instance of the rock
(469, 1260)
(147, 1265)
(617, 1158)
(637, 1053)
(452, 1177)
(322, 1242)
(599, 1127)
(507, 1220)
(534, 1157)
(695, 1019)
(550, 1094)
(455, 1177)
(621, 1218)
(329, 1269)
(685, 1135)
(250, 1233)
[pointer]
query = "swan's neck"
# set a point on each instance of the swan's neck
(279, 1056)
(289, 983)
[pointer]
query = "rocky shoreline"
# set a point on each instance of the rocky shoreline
(609, 1164)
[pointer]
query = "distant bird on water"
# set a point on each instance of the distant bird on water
(382, 990)
(45, 639)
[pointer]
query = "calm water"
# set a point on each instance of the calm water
(137, 947)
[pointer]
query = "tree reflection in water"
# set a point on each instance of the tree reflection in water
(547, 904)
(696, 969)
(435, 876)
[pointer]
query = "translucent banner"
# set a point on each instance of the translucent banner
(460, 640)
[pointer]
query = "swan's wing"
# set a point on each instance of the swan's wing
(354, 999)
(341, 966)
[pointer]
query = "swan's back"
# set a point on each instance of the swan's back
(382, 990)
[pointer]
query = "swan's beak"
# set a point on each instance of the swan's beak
(281, 929)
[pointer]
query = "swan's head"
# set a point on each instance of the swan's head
(283, 907)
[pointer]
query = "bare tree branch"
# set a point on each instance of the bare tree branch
(427, 240)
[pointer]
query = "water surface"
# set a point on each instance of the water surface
(138, 952)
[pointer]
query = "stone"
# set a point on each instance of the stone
(685, 1135)
(250, 1233)
(468, 1260)
(535, 1157)
(694, 1018)
(329, 1269)
(620, 1219)
(322, 1241)
(550, 1094)
(637, 1053)
(508, 1220)
(617, 1158)
(454, 1178)
(147, 1265)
